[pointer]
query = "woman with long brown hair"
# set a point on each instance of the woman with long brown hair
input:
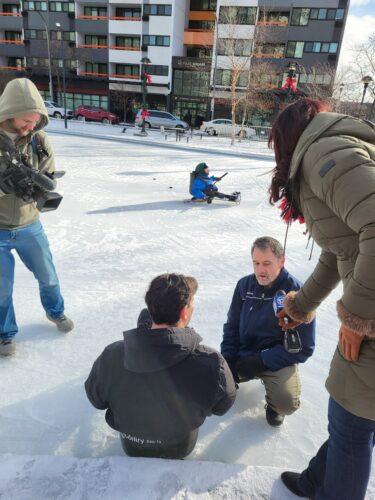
(325, 175)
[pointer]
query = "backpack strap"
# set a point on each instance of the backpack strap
(38, 148)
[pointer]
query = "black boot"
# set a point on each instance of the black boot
(290, 480)
(273, 418)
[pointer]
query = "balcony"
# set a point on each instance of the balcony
(198, 15)
(92, 46)
(93, 18)
(133, 49)
(128, 18)
(90, 74)
(272, 23)
(12, 48)
(10, 14)
(268, 55)
(11, 21)
(121, 26)
(198, 37)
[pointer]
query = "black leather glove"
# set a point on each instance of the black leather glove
(232, 365)
(250, 367)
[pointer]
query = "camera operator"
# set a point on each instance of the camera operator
(254, 344)
(22, 139)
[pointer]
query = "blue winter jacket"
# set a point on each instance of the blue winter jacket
(252, 326)
(202, 182)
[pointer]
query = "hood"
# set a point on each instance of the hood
(330, 125)
(147, 350)
(21, 96)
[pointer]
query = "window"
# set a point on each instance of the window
(100, 68)
(238, 15)
(128, 12)
(42, 6)
(224, 77)
(156, 40)
(197, 51)
(96, 40)
(322, 47)
(333, 48)
(311, 78)
(154, 69)
(201, 25)
(191, 83)
(295, 49)
(95, 11)
(234, 47)
(130, 70)
(13, 36)
(331, 14)
(275, 17)
(61, 7)
(157, 10)
(16, 62)
(203, 5)
(322, 14)
(271, 50)
(340, 14)
(11, 8)
(300, 17)
(314, 13)
(128, 41)
(68, 36)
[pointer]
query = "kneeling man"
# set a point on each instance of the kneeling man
(159, 384)
(253, 342)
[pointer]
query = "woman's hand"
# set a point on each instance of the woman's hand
(350, 343)
(285, 322)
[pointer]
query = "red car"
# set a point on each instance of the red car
(94, 114)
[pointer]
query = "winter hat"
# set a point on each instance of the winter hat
(200, 168)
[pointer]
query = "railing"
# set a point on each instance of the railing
(272, 23)
(93, 18)
(108, 75)
(126, 18)
(13, 68)
(92, 46)
(12, 42)
(197, 30)
(11, 14)
(268, 55)
(119, 47)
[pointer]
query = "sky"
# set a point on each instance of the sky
(360, 24)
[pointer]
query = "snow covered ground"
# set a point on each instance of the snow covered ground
(122, 221)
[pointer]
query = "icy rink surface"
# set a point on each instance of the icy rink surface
(122, 222)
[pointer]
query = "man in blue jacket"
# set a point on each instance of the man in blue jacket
(253, 340)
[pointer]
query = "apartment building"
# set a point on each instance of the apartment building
(187, 45)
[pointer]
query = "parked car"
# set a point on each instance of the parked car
(95, 114)
(57, 111)
(157, 119)
(222, 126)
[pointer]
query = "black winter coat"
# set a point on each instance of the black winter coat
(158, 386)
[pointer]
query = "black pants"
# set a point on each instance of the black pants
(160, 449)
(212, 193)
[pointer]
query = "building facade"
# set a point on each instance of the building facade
(194, 49)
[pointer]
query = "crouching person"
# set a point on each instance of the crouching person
(253, 342)
(159, 384)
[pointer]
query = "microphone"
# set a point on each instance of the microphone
(292, 340)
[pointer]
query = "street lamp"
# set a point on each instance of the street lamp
(58, 26)
(145, 61)
(341, 88)
(366, 81)
(49, 55)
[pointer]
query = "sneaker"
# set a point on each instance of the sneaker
(290, 481)
(7, 347)
(273, 418)
(144, 319)
(63, 323)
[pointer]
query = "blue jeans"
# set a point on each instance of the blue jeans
(32, 246)
(341, 469)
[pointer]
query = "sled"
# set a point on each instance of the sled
(208, 201)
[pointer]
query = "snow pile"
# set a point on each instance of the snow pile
(121, 222)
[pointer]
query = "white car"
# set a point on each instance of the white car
(222, 126)
(57, 111)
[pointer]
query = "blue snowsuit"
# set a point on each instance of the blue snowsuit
(202, 182)
(252, 326)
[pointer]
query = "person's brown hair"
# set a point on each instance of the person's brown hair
(167, 295)
(265, 242)
(285, 134)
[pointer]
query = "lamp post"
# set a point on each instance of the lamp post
(49, 55)
(341, 88)
(58, 26)
(366, 81)
(144, 80)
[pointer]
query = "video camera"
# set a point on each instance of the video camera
(292, 340)
(20, 179)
